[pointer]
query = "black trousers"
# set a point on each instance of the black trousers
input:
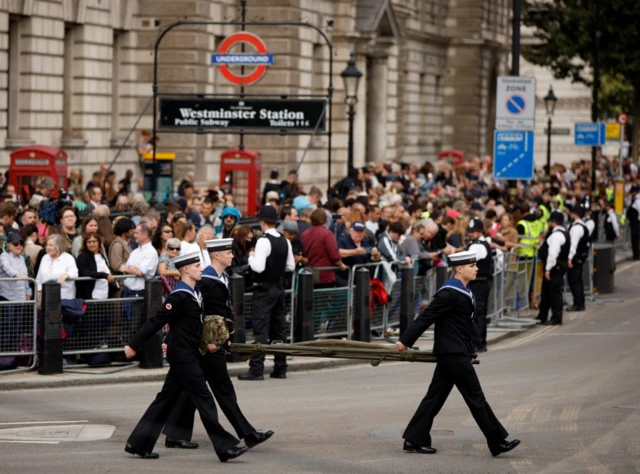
(187, 378)
(481, 290)
(635, 239)
(551, 297)
(180, 422)
(450, 371)
(268, 319)
(576, 283)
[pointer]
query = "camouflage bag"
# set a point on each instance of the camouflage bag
(215, 331)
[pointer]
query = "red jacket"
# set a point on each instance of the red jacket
(321, 248)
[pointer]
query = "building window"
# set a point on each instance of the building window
(70, 139)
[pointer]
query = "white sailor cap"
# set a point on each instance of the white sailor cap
(462, 258)
(187, 259)
(218, 245)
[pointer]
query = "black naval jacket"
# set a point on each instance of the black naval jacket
(452, 310)
(215, 293)
(182, 310)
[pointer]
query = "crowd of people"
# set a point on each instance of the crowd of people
(394, 213)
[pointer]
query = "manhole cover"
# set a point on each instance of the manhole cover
(58, 433)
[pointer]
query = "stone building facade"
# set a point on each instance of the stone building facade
(77, 74)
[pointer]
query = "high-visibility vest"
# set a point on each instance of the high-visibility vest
(529, 240)
(544, 219)
(560, 202)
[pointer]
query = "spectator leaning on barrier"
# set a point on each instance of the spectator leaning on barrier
(58, 266)
(166, 268)
(388, 244)
(143, 263)
(161, 236)
(12, 265)
(354, 252)
(321, 248)
(412, 244)
(92, 263)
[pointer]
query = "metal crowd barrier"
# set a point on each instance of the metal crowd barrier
(106, 327)
(495, 307)
(18, 332)
(517, 288)
(332, 308)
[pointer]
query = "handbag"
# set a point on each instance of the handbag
(215, 331)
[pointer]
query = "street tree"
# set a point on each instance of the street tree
(564, 31)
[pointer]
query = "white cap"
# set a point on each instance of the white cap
(218, 245)
(462, 258)
(186, 259)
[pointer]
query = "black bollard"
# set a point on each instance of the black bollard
(303, 321)
(407, 311)
(151, 353)
(50, 338)
(236, 290)
(361, 306)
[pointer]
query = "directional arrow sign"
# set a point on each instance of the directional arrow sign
(589, 134)
(513, 155)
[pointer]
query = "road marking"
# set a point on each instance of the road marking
(522, 464)
(378, 460)
(31, 442)
(43, 422)
(524, 340)
(517, 416)
(634, 447)
(569, 415)
(603, 444)
(597, 334)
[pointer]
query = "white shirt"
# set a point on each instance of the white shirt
(205, 259)
(479, 249)
(11, 265)
(54, 269)
(591, 226)
(614, 221)
(576, 232)
(636, 205)
(144, 258)
(258, 261)
(101, 288)
(556, 240)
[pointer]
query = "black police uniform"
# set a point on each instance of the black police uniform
(268, 304)
(633, 218)
(481, 289)
(182, 310)
(452, 310)
(551, 295)
(216, 301)
(575, 277)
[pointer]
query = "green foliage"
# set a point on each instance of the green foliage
(616, 96)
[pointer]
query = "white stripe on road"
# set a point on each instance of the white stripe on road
(43, 422)
(35, 442)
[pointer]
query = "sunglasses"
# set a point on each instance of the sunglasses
(173, 248)
(167, 231)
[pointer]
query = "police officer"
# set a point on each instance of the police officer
(182, 310)
(481, 286)
(633, 217)
(269, 262)
(578, 254)
(214, 287)
(554, 252)
(451, 309)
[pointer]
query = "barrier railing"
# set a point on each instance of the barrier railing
(18, 332)
(332, 307)
(495, 307)
(378, 311)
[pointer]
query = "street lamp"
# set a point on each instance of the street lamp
(549, 104)
(351, 78)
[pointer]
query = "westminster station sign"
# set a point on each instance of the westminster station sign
(273, 114)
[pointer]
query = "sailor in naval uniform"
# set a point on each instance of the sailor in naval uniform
(452, 311)
(216, 299)
(182, 310)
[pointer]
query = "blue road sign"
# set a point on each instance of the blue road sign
(516, 104)
(513, 155)
(589, 134)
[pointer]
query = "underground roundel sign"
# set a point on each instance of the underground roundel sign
(260, 59)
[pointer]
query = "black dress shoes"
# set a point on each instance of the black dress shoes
(575, 308)
(257, 437)
(503, 447)
(409, 447)
(278, 375)
(250, 376)
(131, 450)
(551, 323)
(232, 453)
(179, 443)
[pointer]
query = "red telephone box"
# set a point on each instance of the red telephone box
(32, 163)
(455, 157)
(241, 175)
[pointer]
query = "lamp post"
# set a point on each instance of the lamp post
(351, 77)
(549, 104)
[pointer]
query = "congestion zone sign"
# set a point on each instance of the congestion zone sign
(223, 59)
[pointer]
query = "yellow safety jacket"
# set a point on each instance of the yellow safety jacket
(544, 219)
(529, 240)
